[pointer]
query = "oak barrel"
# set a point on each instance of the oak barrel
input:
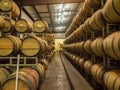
(97, 21)
(6, 5)
(8, 25)
(81, 62)
(87, 8)
(112, 79)
(45, 62)
(10, 5)
(49, 37)
(87, 47)
(79, 31)
(87, 66)
(15, 10)
(9, 45)
(4, 73)
(2, 22)
(40, 26)
(98, 72)
(32, 46)
(26, 81)
(111, 11)
(94, 3)
(23, 26)
(111, 45)
(34, 74)
(96, 46)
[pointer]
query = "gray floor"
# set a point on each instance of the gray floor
(58, 79)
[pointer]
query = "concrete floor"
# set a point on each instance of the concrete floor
(61, 75)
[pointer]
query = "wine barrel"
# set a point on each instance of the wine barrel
(34, 74)
(25, 79)
(40, 26)
(4, 73)
(78, 20)
(32, 46)
(79, 32)
(111, 45)
(97, 21)
(49, 37)
(93, 3)
(68, 31)
(42, 69)
(49, 55)
(114, 7)
(87, 8)
(76, 47)
(73, 58)
(86, 26)
(87, 66)
(81, 14)
(76, 60)
(2, 23)
(23, 26)
(8, 25)
(45, 63)
(81, 62)
(98, 71)
(6, 5)
(10, 45)
(15, 11)
(87, 47)
(9, 5)
(112, 79)
(75, 23)
(96, 46)
(50, 47)
(81, 46)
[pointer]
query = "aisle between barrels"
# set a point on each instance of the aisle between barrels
(55, 78)
(61, 75)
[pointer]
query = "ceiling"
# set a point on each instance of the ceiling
(58, 15)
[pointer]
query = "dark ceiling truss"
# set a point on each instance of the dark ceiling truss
(37, 12)
(41, 2)
(24, 10)
(49, 11)
(57, 25)
(42, 12)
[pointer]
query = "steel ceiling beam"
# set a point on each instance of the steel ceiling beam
(58, 25)
(41, 2)
(24, 10)
(60, 12)
(37, 12)
(50, 15)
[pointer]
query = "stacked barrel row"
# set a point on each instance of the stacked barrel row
(109, 78)
(99, 46)
(10, 6)
(19, 36)
(28, 78)
(89, 40)
(22, 26)
(29, 46)
(50, 47)
(9, 11)
(87, 10)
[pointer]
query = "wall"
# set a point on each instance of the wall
(57, 44)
